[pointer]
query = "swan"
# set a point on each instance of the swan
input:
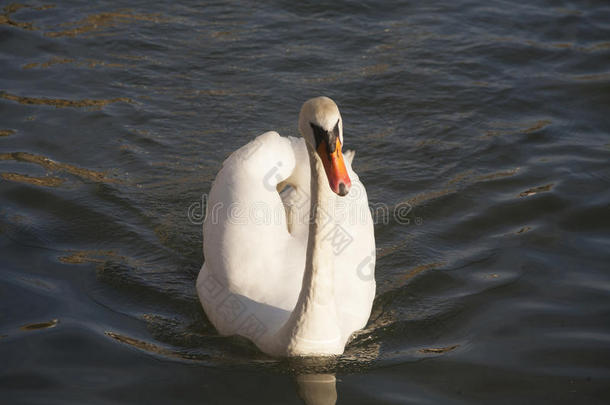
(288, 241)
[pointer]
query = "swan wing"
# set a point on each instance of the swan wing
(254, 266)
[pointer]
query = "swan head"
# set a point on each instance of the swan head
(321, 125)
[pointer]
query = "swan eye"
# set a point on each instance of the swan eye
(318, 133)
(330, 137)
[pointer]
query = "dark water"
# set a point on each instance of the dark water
(491, 119)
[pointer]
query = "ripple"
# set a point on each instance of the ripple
(438, 350)
(52, 165)
(62, 103)
(506, 128)
(53, 61)
(536, 190)
(497, 175)
(140, 344)
(421, 268)
(6, 16)
(88, 256)
(40, 325)
(96, 22)
(429, 195)
(90, 63)
(46, 181)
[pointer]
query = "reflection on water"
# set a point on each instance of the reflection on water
(317, 389)
(315, 382)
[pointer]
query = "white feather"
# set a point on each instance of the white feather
(255, 246)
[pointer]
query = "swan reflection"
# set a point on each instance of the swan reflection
(317, 389)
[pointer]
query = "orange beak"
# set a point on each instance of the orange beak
(334, 166)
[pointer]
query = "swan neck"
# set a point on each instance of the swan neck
(313, 326)
(319, 262)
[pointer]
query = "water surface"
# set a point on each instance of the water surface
(489, 119)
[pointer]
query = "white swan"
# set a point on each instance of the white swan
(293, 286)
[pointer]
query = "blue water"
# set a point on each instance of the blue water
(488, 119)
